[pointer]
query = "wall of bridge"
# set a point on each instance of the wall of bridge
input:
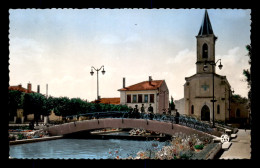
(157, 126)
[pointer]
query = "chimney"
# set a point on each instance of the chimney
(124, 82)
(29, 87)
(150, 80)
(20, 86)
(46, 90)
(38, 88)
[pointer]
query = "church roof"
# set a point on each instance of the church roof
(206, 27)
(145, 85)
(209, 75)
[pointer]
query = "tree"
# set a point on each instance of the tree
(247, 72)
(77, 106)
(62, 106)
(15, 100)
(35, 103)
(172, 105)
(238, 99)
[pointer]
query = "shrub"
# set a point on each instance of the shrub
(20, 136)
(200, 147)
(12, 138)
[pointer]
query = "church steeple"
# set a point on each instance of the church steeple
(205, 45)
(206, 27)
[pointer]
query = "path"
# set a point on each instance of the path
(241, 146)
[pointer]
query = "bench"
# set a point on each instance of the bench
(233, 135)
(226, 145)
(228, 131)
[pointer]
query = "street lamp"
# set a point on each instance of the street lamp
(92, 72)
(205, 68)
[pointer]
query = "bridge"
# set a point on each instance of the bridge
(158, 123)
(95, 124)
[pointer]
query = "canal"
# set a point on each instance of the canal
(82, 149)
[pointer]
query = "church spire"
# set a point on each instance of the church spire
(205, 28)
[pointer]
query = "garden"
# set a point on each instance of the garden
(181, 146)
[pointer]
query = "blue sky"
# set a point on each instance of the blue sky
(59, 46)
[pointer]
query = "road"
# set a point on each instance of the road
(241, 146)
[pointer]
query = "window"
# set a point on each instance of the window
(140, 98)
(134, 99)
(128, 97)
(238, 113)
(192, 109)
(146, 98)
(218, 109)
(205, 51)
(151, 98)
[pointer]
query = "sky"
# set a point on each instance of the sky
(58, 47)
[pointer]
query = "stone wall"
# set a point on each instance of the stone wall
(53, 117)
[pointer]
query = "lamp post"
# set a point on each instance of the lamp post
(92, 72)
(205, 68)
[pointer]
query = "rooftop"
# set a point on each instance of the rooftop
(206, 27)
(21, 89)
(145, 85)
(114, 100)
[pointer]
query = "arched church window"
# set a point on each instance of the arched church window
(192, 109)
(205, 51)
(218, 109)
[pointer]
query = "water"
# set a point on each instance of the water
(79, 149)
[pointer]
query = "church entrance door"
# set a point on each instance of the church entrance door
(205, 113)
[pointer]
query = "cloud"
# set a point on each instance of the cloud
(233, 64)
(59, 47)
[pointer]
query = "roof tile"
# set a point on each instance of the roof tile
(145, 85)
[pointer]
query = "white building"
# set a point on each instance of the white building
(154, 92)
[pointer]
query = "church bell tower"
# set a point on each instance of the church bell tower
(205, 45)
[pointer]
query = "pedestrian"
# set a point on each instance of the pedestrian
(177, 115)
(142, 108)
(150, 109)
(245, 126)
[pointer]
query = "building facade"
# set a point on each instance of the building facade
(154, 92)
(198, 88)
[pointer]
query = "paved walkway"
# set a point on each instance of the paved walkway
(241, 146)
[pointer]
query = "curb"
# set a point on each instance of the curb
(213, 152)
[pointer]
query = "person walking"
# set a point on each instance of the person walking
(177, 116)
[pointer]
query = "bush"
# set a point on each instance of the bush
(12, 138)
(200, 147)
(20, 136)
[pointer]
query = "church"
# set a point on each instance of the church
(207, 93)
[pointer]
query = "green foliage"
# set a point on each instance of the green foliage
(200, 147)
(63, 106)
(20, 136)
(37, 104)
(171, 104)
(238, 99)
(247, 72)
(11, 138)
(15, 101)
